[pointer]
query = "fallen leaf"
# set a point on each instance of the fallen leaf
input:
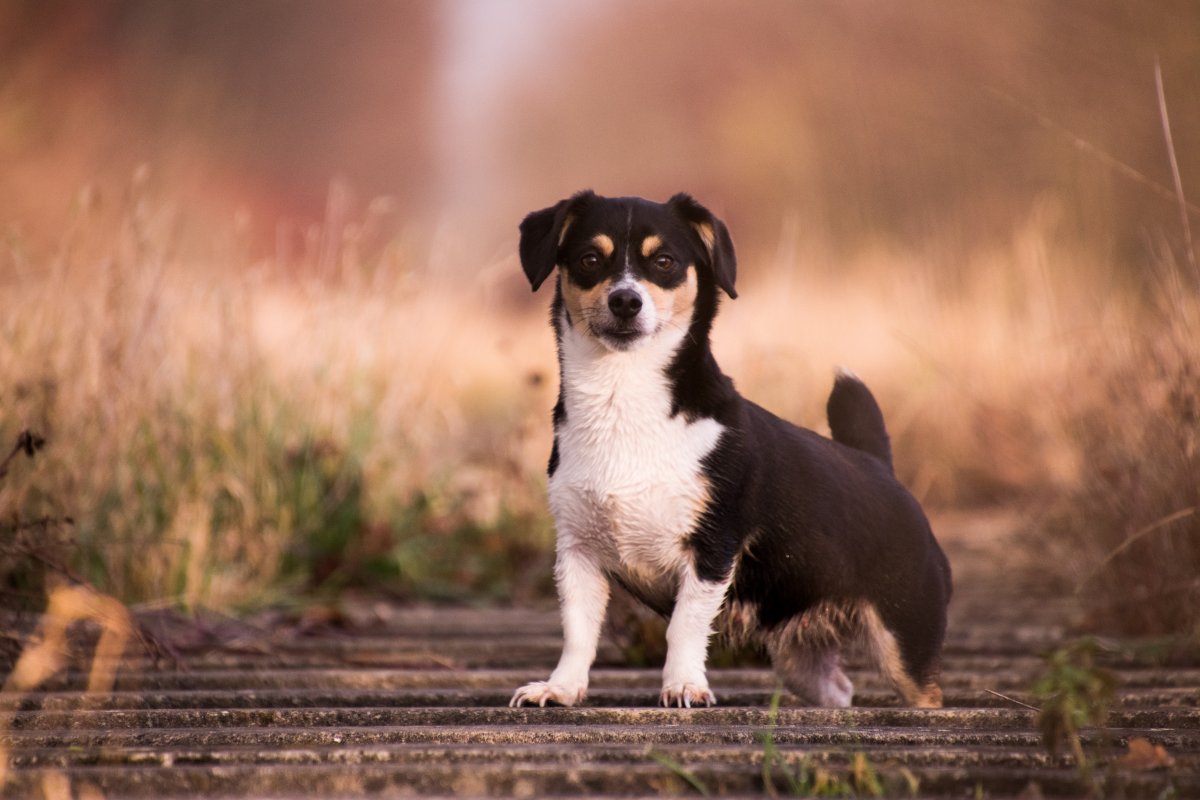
(1143, 755)
(56, 785)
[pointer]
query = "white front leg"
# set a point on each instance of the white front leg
(696, 606)
(583, 598)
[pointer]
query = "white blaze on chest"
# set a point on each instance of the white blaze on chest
(629, 485)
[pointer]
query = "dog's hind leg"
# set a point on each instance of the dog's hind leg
(911, 673)
(813, 673)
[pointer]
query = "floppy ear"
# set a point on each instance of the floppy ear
(714, 235)
(541, 234)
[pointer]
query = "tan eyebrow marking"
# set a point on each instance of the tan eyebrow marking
(650, 244)
(604, 244)
(562, 235)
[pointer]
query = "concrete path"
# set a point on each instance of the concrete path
(413, 702)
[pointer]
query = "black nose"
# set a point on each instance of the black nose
(624, 303)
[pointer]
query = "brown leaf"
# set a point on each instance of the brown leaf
(1144, 756)
(1032, 791)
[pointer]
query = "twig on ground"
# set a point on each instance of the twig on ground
(1012, 700)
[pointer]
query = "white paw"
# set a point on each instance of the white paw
(836, 691)
(542, 692)
(684, 695)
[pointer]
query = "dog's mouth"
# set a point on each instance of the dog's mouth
(620, 336)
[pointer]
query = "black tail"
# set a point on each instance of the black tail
(855, 419)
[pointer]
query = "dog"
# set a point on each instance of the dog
(706, 507)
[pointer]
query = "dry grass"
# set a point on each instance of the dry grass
(224, 432)
(214, 432)
(1127, 532)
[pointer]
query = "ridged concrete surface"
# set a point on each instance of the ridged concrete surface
(413, 702)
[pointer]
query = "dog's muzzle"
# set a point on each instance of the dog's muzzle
(624, 303)
(627, 322)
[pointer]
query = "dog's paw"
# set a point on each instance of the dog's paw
(542, 692)
(685, 695)
(835, 691)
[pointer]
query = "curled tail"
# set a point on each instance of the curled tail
(855, 419)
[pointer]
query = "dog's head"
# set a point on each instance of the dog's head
(630, 268)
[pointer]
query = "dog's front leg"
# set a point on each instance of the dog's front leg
(583, 597)
(696, 606)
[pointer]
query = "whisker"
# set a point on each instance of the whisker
(686, 331)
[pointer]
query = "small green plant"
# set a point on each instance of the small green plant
(1073, 692)
(772, 760)
(864, 777)
(683, 772)
(436, 550)
(808, 780)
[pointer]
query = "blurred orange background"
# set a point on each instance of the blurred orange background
(259, 286)
(843, 125)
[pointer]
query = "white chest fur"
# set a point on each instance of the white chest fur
(629, 486)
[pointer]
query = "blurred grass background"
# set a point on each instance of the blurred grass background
(258, 287)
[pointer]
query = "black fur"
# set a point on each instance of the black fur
(539, 237)
(856, 420)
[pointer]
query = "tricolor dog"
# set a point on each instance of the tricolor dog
(709, 509)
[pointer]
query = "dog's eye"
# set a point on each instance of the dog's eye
(590, 261)
(664, 262)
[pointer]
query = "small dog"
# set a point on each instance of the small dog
(703, 505)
